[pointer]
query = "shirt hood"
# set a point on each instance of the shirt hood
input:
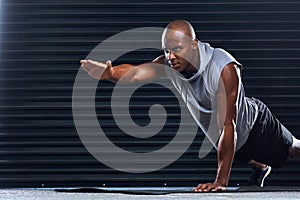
(205, 55)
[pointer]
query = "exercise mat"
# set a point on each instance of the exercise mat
(169, 190)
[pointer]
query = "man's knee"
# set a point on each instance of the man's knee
(294, 150)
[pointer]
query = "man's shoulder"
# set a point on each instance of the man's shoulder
(160, 60)
(219, 52)
(222, 57)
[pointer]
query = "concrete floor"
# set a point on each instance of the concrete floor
(47, 194)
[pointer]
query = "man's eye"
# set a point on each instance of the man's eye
(177, 49)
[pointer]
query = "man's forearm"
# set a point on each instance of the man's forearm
(226, 151)
(118, 72)
(128, 74)
(125, 73)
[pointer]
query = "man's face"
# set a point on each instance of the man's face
(179, 49)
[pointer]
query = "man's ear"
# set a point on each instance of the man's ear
(195, 43)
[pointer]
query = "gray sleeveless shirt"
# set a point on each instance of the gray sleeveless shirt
(199, 94)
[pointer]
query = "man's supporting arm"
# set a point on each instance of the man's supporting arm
(227, 95)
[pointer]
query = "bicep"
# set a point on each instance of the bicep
(227, 95)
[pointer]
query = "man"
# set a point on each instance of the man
(209, 79)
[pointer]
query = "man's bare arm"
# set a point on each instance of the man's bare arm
(125, 73)
(227, 111)
(227, 142)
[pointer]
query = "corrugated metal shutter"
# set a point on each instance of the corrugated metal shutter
(43, 41)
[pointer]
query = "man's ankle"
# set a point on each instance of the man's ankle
(264, 167)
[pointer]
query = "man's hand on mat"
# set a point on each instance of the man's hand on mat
(209, 187)
(95, 69)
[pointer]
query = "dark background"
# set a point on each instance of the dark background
(43, 41)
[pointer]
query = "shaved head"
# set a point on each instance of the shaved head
(180, 46)
(183, 26)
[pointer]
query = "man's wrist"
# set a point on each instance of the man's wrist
(221, 182)
(111, 75)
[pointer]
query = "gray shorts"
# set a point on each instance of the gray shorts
(268, 142)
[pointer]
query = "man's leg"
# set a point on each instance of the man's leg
(258, 165)
(259, 173)
(294, 150)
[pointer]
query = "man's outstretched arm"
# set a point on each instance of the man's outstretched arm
(227, 111)
(126, 73)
